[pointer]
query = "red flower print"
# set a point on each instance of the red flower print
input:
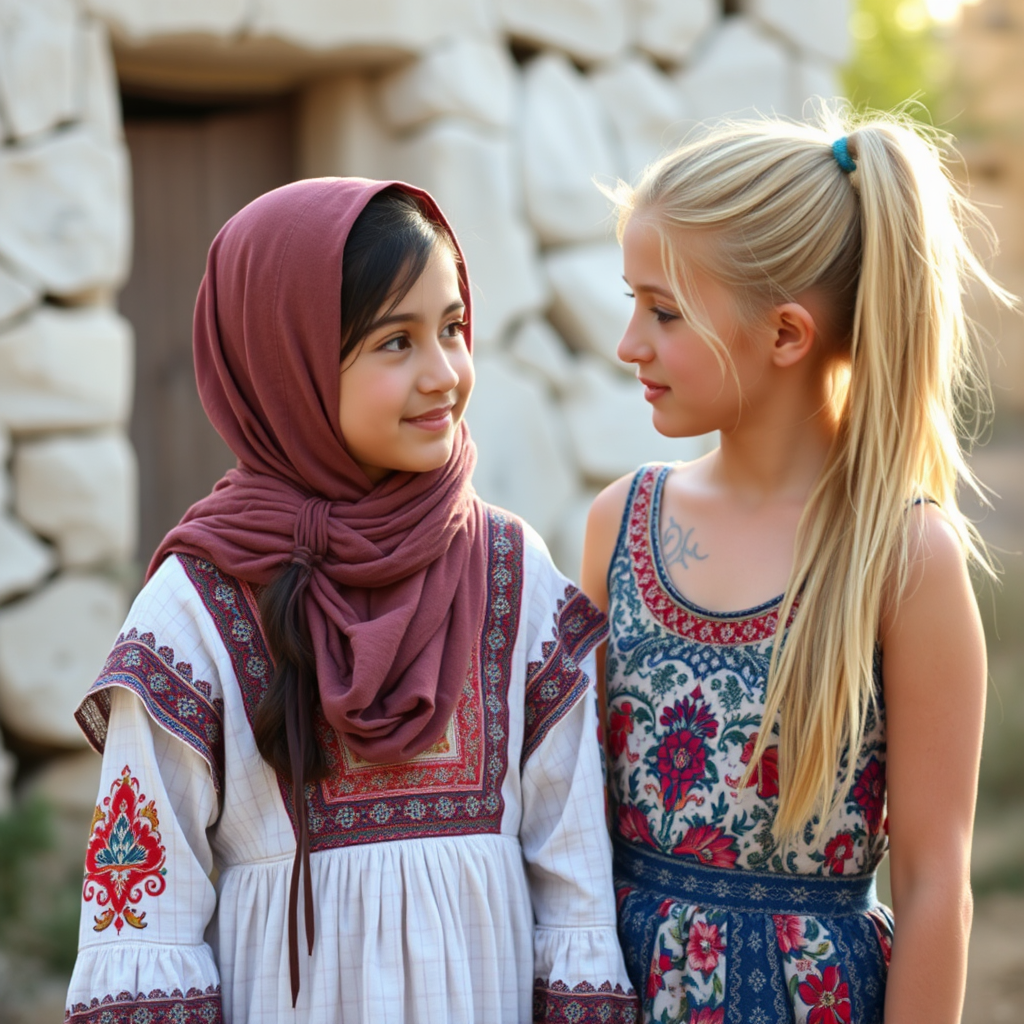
(766, 777)
(705, 1015)
(665, 906)
(681, 759)
(691, 713)
(869, 792)
(711, 846)
(125, 857)
(789, 930)
(704, 947)
(634, 826)
(838, 850)
(827, 996)
(656, 979)
(620, 726)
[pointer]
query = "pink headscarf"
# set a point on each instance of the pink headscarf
(396, 594)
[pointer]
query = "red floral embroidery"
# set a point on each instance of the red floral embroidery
(656, 977)
(827, 996)
(711, 846)
(884, 932)
(704, 947)
(789, 930)
(634, 826)
(869, 792)
(766, 777)
(838, 850)
(555, 1003)
(682, 756)
(195, 1006)
(620, 726)
(125, 856)
(705, 1015)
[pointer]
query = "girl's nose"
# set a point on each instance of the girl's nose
(438, 373)
(631, 348)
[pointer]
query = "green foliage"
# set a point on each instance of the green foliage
(898, 57)
(39, 898)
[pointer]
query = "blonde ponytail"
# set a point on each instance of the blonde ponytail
(886, 246)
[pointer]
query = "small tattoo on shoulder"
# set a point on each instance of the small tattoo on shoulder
(677, 546)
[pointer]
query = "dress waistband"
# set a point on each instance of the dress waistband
(758, 892)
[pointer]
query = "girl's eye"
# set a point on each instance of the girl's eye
(630, 295)
(396, 344)
(663, 316)
(455, 329)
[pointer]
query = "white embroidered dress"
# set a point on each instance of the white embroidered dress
(472, 884)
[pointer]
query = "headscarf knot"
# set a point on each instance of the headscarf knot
(310, 532)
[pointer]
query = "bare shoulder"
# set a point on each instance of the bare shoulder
(937, 576)
(603, 522)
(607, 508)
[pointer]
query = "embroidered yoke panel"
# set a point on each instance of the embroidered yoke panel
(452, 788)
(686, 690)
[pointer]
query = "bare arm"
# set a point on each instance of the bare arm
(935, 673)
(603, 524)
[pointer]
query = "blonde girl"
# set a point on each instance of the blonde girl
(798, 289)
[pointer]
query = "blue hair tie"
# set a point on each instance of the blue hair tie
(842, 155)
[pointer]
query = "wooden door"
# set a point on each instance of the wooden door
(192, 168)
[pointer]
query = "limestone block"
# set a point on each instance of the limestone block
(669, 29)
(645, 108)
(79, 491)
(536, 346)
(409, 25)
(141, 19)
(588, 30)
(610, 425)
(341, 131)
(740, 71)
(69, 783)
(24, 560)
(567, 547)
(100, 103)
(37, 61)
(821, 26)
(52, 645)
(66, 369)
(5, 454)
(15, 296)
(65, 210)
(469, 173)
(565, 141)
(522, 461)
(459, 76)
(814, 78)
(589, 307)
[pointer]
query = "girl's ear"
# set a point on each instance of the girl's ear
(794, 332)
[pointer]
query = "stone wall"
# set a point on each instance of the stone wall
(506, 110)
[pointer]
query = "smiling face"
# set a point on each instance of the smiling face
(405, 386)
(691, 392)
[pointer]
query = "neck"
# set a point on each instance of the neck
(778, 449)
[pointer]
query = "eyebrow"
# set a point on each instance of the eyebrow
(653, 289)
(411, 318)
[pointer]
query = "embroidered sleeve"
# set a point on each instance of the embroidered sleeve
(146, 893)
(578, 966)
(555, 680)
(185, 706)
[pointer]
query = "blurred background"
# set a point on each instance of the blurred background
(132, 129)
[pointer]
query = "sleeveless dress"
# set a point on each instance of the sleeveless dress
(719, 923)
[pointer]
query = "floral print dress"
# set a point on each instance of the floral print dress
(720, 924)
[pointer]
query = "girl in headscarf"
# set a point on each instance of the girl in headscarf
(350, 765)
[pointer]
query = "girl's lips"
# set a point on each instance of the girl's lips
(436, 419)
(652, 391)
